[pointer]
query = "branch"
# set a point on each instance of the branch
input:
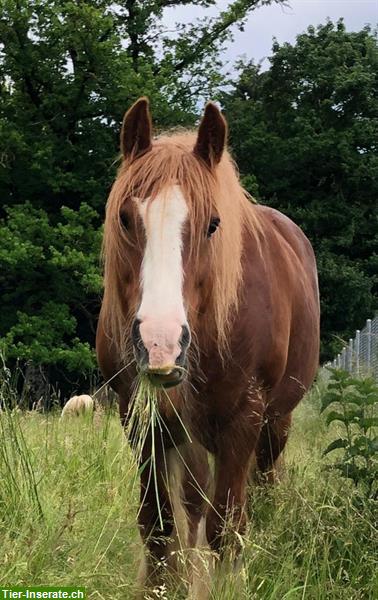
(134, 43)
(34, 96)
(235, 13)
(168, 3)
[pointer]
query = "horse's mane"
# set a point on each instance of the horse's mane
(169, 162)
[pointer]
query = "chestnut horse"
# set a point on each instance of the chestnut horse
(217, 299)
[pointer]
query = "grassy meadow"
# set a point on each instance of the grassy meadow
(68, 503)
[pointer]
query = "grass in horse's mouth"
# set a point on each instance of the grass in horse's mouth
(145, 430)
(165, 379)
(145, 423)
(142, 421)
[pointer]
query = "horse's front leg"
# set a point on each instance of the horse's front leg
(155, 518)
(226, 518)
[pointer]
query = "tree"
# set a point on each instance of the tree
(304, 134)
(68, 71)
(51, 273)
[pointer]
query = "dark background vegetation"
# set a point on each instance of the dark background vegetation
(303, 132)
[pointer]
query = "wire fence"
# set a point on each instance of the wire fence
(360, 356)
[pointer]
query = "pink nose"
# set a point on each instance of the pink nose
(162, 342)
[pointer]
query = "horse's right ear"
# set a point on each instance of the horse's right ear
(136, 133)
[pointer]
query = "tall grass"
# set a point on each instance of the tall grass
(69, 499)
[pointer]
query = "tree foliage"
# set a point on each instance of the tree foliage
(304, 134)
(50, 285)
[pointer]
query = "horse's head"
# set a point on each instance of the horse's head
(167, 249)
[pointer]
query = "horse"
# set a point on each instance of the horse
(78, 405)
(215, 299)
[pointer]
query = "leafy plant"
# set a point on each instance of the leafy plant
(353, 402)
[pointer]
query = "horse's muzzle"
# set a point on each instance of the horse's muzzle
(166, 379)
(165, 373)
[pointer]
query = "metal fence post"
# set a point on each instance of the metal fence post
(358, 343)
(369, 344)
(361, 352)
(350, 361)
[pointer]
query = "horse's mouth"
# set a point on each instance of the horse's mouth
(165, 377)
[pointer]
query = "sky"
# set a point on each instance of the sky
(283, 23)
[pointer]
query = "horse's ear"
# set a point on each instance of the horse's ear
(212, 135)
(136, 133)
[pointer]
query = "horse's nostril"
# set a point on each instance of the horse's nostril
(135, 331)
(140, 350)
(185, 336)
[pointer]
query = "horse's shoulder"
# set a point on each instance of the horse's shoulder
(275, 222)
(277, 219)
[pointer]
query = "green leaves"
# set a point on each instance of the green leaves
(354, 405)
(48, 338)
(346, 417)
(335, 445)
(50, 284)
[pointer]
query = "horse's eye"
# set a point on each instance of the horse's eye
(124, 220)
(213, 226)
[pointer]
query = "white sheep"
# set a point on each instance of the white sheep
(78, 405)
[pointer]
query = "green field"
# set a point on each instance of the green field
(68, 500)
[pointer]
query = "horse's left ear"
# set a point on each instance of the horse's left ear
(136, 133)
(212, 135)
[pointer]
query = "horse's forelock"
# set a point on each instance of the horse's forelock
(171, 161)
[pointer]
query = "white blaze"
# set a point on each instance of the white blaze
(162, 270)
